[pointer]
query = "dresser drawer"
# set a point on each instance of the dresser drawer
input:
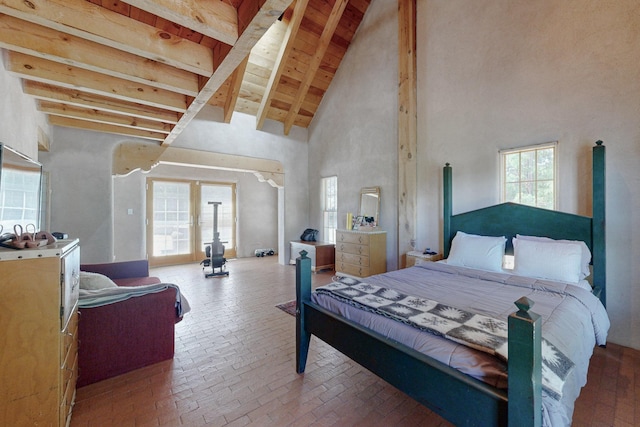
(68, 337)
(357, 238)
(352, 248)
(347, 258)
(352, 270)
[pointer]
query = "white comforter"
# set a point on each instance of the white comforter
(572, 318)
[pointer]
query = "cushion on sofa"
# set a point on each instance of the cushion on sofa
(95, 281)
(137, 281)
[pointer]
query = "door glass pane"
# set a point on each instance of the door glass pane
(171, 218)
(226, 214)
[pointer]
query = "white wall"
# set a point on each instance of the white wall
(79, 164)
(499, 74)
(257, 213)
(20, 118)
(240, 137)
(354, 132)
(83, 202)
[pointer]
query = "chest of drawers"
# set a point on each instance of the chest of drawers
(361, 253)
(322, 254)
(39, 315)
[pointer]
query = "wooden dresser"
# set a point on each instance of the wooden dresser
(361, 253)
(322, 254)
(39, 317)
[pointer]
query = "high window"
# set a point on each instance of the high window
(528, 175)
(329, 208)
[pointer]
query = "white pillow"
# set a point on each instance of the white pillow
(585, 257)
(480, 252)
(94, 281)
(547, 260)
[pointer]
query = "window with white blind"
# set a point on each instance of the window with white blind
(528, 175)
(329, 208)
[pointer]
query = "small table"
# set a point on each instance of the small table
(417, 258)
(322, 254)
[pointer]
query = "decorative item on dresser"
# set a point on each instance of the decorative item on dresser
(39, 315)
(417, 258)
(322, 254)
(361, 253)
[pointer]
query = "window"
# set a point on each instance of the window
(528, 175)
(329, 208)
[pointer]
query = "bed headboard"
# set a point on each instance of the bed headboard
(509, 219)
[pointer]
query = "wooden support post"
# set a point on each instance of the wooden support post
(407, 129)
(303, 294)
(448, 205)
(598, 224)
(525, 366)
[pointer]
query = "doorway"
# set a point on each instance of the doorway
(180, 219)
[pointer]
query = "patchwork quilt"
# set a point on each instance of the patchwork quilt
(474, 330)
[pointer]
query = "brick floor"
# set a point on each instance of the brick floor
(234, 365)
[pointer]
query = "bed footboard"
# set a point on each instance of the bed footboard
(457, 397)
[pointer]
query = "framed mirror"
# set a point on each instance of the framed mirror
(370, 205)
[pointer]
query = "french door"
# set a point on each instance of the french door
(180, 219)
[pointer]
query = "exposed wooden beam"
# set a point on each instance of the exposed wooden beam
(407, 127)
(42, 70)
(228, 61)
(234, 90)
(92, 22)
(285, 50)
(316, 59)
(36, 40)
(106, 128)
(216, 19)
(78, 98)
(63, 110)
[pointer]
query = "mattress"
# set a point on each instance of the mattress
(573, 319)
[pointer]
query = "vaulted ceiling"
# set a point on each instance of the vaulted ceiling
(145, 68)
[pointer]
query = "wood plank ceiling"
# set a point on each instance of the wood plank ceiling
(145, 68)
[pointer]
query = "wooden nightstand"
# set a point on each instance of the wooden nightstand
(417, 258)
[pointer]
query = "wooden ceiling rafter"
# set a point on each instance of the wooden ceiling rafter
(82, 99)
(103, 26)
(252, 32)
(286, 47)
(72, 111)
(20, 36)
(234, 90)
(145, 68)
(32, 68)
(215, 19)
(323, 43)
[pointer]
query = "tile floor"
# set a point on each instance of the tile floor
(234, 366)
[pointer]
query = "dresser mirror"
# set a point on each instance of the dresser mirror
(370, 205)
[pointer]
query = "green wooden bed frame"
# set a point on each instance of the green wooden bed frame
(457, 397)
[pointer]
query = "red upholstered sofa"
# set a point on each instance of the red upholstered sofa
(126, 335)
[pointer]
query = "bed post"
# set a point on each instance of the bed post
(598, 224)
(303, 294)
(525, 366)
(448, 203)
